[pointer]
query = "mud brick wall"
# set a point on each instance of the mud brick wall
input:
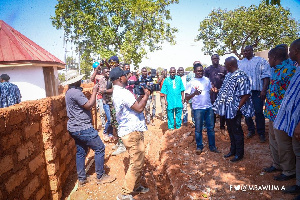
(36, 152)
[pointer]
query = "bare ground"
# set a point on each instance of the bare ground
(173, 170)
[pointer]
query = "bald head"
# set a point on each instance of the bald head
(231, 64)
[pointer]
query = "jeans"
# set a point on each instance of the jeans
(108, 127)
(85, 139)
(192, 113)
(236, 135)
(206, 115)
(185, 113)
(259, 115)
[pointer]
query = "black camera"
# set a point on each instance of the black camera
(145, 83)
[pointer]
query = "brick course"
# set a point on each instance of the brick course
(36, 152)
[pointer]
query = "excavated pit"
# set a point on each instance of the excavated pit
(173, 170)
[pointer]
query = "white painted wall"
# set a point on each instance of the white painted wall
(29, 79)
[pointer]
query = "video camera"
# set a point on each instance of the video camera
(145, 83)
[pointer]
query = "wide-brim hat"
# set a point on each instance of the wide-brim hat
(72, 77)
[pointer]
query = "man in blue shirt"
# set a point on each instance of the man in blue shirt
(173, 89)
(259, 72)
(9, 92)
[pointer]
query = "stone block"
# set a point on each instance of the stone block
(50, 154)
(6, 164)
(40, 194)
(58, 128)
(15, 180)
(54, 183)
(52, 168)
(25, 150)
(11, 140)
(32, 129)
(31, 187)
(36, 162)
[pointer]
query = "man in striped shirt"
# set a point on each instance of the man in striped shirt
(288, 116)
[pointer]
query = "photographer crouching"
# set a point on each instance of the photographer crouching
(131, 127)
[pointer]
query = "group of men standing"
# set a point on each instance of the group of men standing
(238, 89)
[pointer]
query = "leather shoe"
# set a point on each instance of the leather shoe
(236, 158)
(198, 151)
(262, 138)
(295, 189)
(250, 135)
(271, 169)
(282, 177)
(215, 150)
(229, 155)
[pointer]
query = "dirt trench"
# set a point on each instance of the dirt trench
(174, 172)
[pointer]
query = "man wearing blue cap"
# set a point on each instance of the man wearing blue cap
(129, 113)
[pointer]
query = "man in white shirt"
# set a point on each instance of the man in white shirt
(198, 89)
(129, 115)
(258, 70)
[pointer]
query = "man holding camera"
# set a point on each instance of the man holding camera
(131, 127)
(198, 89)
(174, 97)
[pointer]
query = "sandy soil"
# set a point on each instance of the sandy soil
(173, 170)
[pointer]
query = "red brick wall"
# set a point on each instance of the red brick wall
(36, 152)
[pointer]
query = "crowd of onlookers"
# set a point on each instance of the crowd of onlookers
(126, 102)
(253, 88)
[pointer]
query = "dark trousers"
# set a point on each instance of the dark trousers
(259, 115)
(222, 121)
(236, 135)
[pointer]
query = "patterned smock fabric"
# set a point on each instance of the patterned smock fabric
(288, 115)
(279, 82)
(9, 94)
(235, 85)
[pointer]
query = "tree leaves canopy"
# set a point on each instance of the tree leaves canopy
(262, 26)
(127, 28)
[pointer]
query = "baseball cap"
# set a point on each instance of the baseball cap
(116, 73)
(113, 59)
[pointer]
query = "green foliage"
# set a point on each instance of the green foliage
(61, 78)
(71, 63)
(273, 2)
(262, 26)
(128, 28)
(86, 65)
(160, 69)
(189, 69)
